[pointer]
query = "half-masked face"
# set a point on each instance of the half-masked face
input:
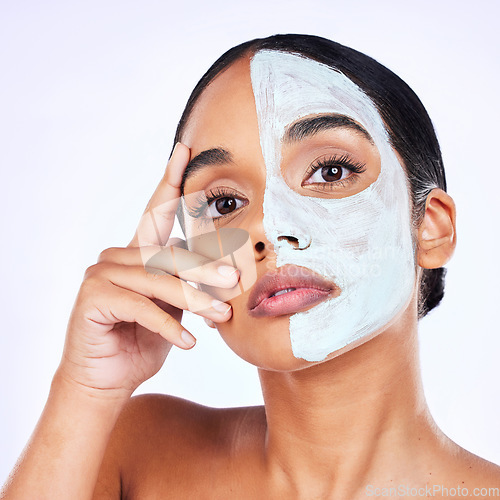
(324, 207)
(363, 241)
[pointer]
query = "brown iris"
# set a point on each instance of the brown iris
(225, 205)
(331, 173)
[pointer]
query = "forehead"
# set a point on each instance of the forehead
(288, 87)
(285, 86)
(225, 113)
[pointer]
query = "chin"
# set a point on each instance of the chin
(265, 342)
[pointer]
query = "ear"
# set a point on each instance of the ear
(437, 232)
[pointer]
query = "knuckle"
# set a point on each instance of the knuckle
(190, 294)
(92, 288)
(142, 302)
(91, 271)
(155, 275)
(98, 270)
(107, 254)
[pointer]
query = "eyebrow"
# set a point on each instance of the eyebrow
(307, 127)
(207, 158)
(299, 130)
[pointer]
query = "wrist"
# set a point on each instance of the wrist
(64, 384)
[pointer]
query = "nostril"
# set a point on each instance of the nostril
(291, 239)
(259, 246)
(295, 243)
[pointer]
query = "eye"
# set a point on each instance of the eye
(332, 170)
(328, 174)
(223, 206)
(215, 204)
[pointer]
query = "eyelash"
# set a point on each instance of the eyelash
(201, 205)
(342, 161)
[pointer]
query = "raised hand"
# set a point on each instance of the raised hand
(127, 315)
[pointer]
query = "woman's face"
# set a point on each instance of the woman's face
(294, 154)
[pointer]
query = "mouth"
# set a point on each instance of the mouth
(288, 290)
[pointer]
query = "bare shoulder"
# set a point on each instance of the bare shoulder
(459, 468)
(477, 469)
(160, 439)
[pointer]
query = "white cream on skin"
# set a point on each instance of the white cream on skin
(362, 242)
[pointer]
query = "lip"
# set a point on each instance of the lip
(309, 289)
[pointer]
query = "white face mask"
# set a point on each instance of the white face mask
(362, 242)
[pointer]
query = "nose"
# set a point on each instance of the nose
(255, 227)
(295, 243)
(262, 246)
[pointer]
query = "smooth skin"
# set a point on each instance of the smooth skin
(328, 429)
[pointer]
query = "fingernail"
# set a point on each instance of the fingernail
(226, 271)
(187, 339)
(173, 153)
(209, 322)
(221, 307)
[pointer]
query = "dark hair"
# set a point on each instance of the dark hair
(409, 127)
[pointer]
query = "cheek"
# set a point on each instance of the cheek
(333, 232)
(364, 243)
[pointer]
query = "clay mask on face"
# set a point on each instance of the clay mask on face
(362, 242)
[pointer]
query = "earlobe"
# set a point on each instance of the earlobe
(437, 232)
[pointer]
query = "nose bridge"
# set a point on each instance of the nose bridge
(254, 224)
(285, 222)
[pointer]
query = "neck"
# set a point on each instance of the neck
(351, 417)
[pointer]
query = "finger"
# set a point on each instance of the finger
(169, 289)
(191, 266)
(177, 261)
(113, 303)
(158, 218)
(132, 256)
(209, 323)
